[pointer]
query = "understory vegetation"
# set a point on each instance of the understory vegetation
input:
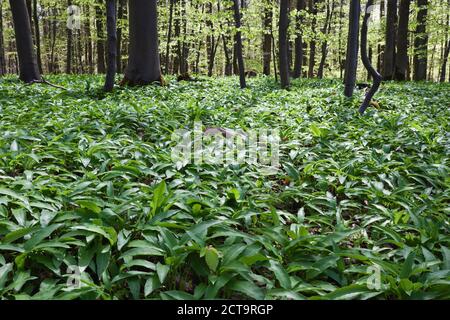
(358, 208)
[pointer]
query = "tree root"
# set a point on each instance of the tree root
(43, 81)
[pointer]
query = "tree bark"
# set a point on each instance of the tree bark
(421, 42)
(120, 9)
(301, 5)
(2, 44)
(100, 37)
(312, 45)
(238, 40)
(144, 62)
(375, 75)
(28, 67)
(444, 63)
(401, 60)
(283, 43)
(111, 27)
(37, 35)
(391, 31)
(352, 48)
(267, 39)
(325, 31)
(169, 37)
(69, 52)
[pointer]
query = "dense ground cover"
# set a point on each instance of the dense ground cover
(88, 181)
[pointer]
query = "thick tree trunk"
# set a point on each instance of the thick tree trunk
(111, 27)
(238, 40)
(375, 75)
(28, 67)
(2, 44)
(352, 48)
(391, 31)
(267, 39)
(401, 59)
(100, 37)
(421, 42)
(301, 5)
(144, 62)
(283, 43)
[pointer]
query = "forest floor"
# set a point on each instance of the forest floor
(358, 208)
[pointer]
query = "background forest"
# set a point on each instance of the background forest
(201, 34)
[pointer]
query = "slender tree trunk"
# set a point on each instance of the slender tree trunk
(184, 47)
(120, 9)
(352, 48)
(421, 42)
(301, 5)
(391, 31)
(401, 59)
(69, 52)
(443, 71)
(312, 45)
(2, 44)
(365, 59)
(89, 46)
(169, 37)
(267, 39)
(144, 62)
(111, 27)
(325, 31)
(228, 53)
(283, 42)
(177, 31)
(37, 35)
(28, 67)
(238, 40)
(381, 46)
(340, 51)
(100, 37)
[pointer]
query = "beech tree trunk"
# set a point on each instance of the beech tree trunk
(267, 39)
(312, 44)
(283, 43)
(144, 62)
(111, 27)
(37, 35)
(352, 48)
(100, 36)
(2, 44)
(401, 59)
(169, 37)
(444, 63)
(120, 10)
(391, 31)
(301, 5)
(365, 59)
(238, 40)
(326, 29)
(69, 52)
(28, 67)
(421, 42)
